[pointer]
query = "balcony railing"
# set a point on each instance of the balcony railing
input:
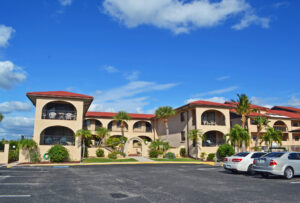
(59, 115)
(281, 128)
(59, 139)
(212, 122)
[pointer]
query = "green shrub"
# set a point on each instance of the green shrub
(170, 155)
(27, 144)
(256, 149)
(202, 156)
(182, 152)
(224, 151)
(100, 152)
(34, 156)
(155, 153)
(58, 153)
(113, 155)
(211, 157)
(13, 156)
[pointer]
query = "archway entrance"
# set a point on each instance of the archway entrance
(135, 147)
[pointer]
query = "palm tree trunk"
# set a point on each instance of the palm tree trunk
(123, 136)
(83, 149)
(167, 126)
(197, 149)
(244, 145)
(257, 137)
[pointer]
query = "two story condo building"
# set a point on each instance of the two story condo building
(59, 115)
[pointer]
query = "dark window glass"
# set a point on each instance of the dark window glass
(296, 138)
(194, 143)
(182, 116)
(275, 154)
(257, 155)
(242, 154)
(293, 156)
(182, 136)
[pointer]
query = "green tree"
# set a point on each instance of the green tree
(122, 117)
(164, 113)
(1, 117)
(271, 136)
(84, 135)
(261, 123)
(238, 137)
(102, 133)
(195, 135)
(31, 147)
(159, 145)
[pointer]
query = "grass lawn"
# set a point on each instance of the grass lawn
(105, 160)
(178, 159)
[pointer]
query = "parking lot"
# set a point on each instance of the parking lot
(141, 183)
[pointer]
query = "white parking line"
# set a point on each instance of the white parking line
(14, 196)
(295, 182)
(7, 184)
(11, 171)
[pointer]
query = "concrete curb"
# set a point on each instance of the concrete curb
(117, 163)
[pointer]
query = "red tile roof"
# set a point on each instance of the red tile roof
(254, 114)
(208, 103)
(111, 115)
(59, 94)
(253, 106)
(284, 113)
(287, 108)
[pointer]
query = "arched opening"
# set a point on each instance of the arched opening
(135, 147)
(280, 125)
(57, 135)
(213, 117)
(146, 139)
(213, 139)
(142, 126)
(115, 126)
(91, 124)
(59, 110)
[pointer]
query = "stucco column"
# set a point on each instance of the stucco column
(6, 152)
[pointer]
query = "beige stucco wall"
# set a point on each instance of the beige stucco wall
(4, 155)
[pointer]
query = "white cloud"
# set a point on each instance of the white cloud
(65, 2)
(129, 97)
(281, 4)
(249, 19)
(212, 99)
(111, 69)
(132, 76)
(294, 101)
(176, 15)
(8, 107)
(226, 77)
(5, 35)
(218, 91)
(14, 127)
(268, 102)
(10, 75)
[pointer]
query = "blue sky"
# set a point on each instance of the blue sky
(138, 55)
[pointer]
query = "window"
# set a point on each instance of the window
(293, 156)
(275, 154)
(295, 123)
(242, 154)
(194, 117)
(182, 116)
(297, 138)
(182, 136)
(194, 143)
(253, 122)
(257, 155)
(254, 137)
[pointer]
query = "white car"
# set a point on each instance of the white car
(242, 162)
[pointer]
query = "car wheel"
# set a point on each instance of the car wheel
(288, 173)
(265, 175)
(250, 170)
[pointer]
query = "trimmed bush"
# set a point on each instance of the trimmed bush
(170, 155)
(202, 156)
(211, 157)
(58, 153)
(100, 152)
(13, 156)
(34, 156)
(182, 152)
(224, 151)
(113, 155)
(155, 153)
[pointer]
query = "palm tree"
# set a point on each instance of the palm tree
(1, 117)
(243, 107)
(122, 117)
(159, 145)
(83, 134)
(29, 145)
(261, 123)
(271, 136)
(102, 133)
(164, 113)
(195, 135)
(238, 137)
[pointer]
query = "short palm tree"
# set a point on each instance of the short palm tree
(122, 117)
(160, 145)
(164, 113)
(239, 137)
(102, 133)
(28, 145)
(261, 123)
(83, 134)
(271, 136)
(195, 135)
(1, 117)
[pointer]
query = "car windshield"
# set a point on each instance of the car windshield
(242, 154)
(274, 154)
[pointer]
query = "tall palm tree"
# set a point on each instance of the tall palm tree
(164, 113)
(102, 133)
(239, 137)
(195, 135)
(243, 107)
(83, 134)
(261, 123)
(271, 136)
(1, 117)
(122, 117)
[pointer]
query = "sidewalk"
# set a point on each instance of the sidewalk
(141, 159)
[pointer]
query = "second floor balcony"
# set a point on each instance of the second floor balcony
(213, 117)
(59, 111)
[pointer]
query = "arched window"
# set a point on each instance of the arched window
(280, 125)
(116, 126)
(57, 135)
(213, 117)
(59, 110)
(142, 126)
(213, 138)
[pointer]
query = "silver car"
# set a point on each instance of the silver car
(285, 164)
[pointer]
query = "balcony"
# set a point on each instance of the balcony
(57, 135)
(142, 127)
(213, 118)
(281, 128)
(59, 115)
